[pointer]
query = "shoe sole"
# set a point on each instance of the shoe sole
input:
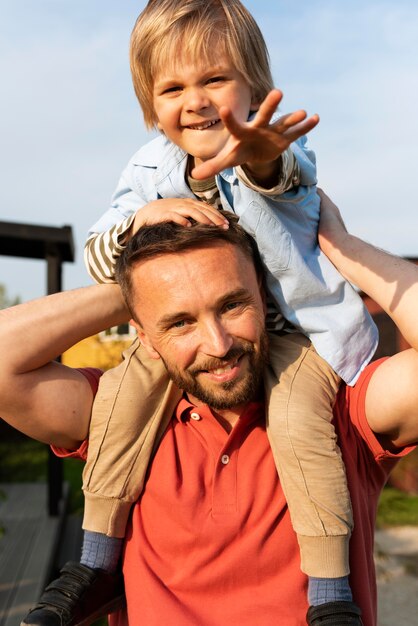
(114, 605)
(110, 607)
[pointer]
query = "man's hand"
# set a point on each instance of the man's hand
(179, 211)
(258, 143)
(392, 394)
(332, 230)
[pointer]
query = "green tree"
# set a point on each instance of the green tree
(5, 301)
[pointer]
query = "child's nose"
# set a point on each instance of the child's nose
(196, 99)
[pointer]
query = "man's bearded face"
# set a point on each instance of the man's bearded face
(231, 393)
(202, 312)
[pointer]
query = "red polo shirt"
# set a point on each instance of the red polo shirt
(211, 542)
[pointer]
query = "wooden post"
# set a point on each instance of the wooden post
(55, 245)
(55, 465)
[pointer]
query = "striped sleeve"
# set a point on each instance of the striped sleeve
(288, 176)
(103, 249)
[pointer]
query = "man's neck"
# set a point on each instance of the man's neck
(226, 417)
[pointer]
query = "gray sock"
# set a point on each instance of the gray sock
(323, 590)
(100, 551)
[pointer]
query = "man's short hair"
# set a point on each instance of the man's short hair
(170, 238)
(202, 30)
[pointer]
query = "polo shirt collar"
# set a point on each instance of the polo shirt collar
(253, 411)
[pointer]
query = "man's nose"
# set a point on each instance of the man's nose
(196, 99)
(215, 339)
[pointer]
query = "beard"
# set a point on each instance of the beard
(232, 393)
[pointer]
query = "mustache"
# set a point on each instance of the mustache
(214, 363)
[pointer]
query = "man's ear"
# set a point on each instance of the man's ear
(261, 286)
(145, 341)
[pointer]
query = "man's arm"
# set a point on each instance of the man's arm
(392, 395)
(44, 399)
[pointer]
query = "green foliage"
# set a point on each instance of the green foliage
(5, 301)
(2, 497)
(22, 460)
(25, 460)
(73, 469)
(397, 508)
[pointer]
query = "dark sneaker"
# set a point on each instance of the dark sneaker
(78, 597)
(334, 614)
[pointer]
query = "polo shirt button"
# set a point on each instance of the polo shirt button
(225, 459)
(195, 416)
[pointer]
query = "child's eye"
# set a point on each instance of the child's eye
(216, 79)
(173, 89)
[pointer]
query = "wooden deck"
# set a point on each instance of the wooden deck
(28, 548)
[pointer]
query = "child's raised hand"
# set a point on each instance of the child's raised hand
(178, 210)
(258, 143)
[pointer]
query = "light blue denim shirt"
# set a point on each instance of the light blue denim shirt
(305, 285)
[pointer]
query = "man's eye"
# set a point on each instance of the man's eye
(232, 305)
(179, 324)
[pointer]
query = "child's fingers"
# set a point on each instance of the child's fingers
(213, 166)
(298, 129)
(289, 120)
(231, 124)
(267, 108)
(204, 213)
(209, 215)
(179, 211)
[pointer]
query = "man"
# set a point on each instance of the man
(211, 539)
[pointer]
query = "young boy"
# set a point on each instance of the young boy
(201, 73)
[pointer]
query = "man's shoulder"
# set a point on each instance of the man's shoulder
(93, 375)
(351, 400)
(350, 420)
(355, 395)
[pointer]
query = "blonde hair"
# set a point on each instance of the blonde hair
(199, 29)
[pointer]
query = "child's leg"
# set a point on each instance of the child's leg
(134, 403)
(301, 390)
(133, 406)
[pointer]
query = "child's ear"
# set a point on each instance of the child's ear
(254, 106)
(160, 128)
(144, 340)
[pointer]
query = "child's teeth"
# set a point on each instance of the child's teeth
(204, 126)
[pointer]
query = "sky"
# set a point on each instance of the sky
(69, 119)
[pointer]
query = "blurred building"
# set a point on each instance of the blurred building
(103, 350)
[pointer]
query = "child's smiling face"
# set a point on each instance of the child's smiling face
(187, 98)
